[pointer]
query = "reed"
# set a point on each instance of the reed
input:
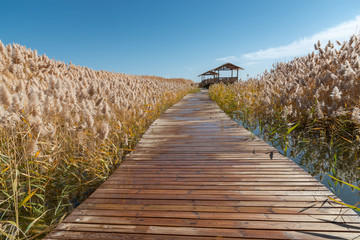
(316, 96)
(64, 129)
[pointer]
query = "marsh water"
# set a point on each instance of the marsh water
(317, 158)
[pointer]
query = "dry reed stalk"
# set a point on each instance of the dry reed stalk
(64, 128)
(318, 93)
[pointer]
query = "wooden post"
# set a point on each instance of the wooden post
(237, 75)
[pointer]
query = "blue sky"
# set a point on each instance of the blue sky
(176, 38)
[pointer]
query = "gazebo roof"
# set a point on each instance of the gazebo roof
(227, 67)
(208, 73)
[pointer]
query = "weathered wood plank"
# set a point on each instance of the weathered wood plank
(264, 225)
(205, 187)
(196, 174)
(290, 209)
(301, 204)
(212, 232)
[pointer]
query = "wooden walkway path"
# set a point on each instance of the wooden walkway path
(196, 174)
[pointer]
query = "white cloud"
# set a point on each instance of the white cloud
(250, 63)
(227, 59)
(305, 45)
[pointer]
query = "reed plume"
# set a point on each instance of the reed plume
(64, 128)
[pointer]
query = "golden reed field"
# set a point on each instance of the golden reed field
(64, 128)
(311, 101)
(322, 85)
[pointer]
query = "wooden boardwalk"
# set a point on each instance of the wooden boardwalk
(196, 174)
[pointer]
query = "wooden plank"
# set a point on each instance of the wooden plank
(232, 179)
(290, 209)
(303, 204)
(196, 174)
(205, 187)
(322, 192)
(201, 182)
(79, 235)
(264, 225)
(212, 232)
(285, 171)
(309, 198)
(244, 216)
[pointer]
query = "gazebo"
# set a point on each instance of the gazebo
(208, 78)
(215, 73)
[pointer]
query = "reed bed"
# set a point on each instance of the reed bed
(64, 128)
(316, 96)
